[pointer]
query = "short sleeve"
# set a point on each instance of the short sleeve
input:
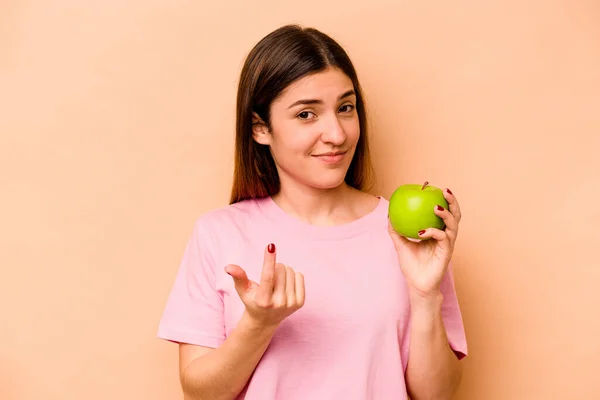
(194, 310)
(452, 316)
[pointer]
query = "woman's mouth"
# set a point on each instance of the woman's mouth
(331, 157)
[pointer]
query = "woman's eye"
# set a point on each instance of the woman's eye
(305, 115)
(346, 108)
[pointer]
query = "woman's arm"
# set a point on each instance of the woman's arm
(434, 371)
(222, 373)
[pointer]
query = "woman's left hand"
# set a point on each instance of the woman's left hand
(424, 263)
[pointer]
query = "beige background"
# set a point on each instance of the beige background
(116, 127)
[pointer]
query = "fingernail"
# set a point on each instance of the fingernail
(440, 208)
(271, 248)
(421, 232)
(448, 190)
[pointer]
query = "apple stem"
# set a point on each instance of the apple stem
(425, 184)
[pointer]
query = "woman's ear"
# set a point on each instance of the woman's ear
(260, 131)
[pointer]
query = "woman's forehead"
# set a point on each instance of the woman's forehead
(329, 85)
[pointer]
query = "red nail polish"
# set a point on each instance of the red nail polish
(440, 208)
(271, 248)
(448, 190)
(421, 232)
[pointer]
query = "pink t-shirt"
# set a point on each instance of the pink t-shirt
(349, 341)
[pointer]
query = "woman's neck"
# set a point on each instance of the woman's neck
(324, 207)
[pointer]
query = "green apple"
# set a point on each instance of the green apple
(411, 209)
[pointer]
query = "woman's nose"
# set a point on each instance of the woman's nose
(333, 132)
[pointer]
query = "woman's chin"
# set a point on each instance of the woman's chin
(317, 178)
(325, 182)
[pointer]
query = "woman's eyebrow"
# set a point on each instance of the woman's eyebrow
(318, 101)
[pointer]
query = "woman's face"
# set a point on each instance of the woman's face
(314, 130)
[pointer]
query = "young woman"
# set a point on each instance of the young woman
(299, 289)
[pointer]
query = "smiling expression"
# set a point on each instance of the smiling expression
(314, 129)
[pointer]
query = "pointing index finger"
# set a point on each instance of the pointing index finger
(267, 277)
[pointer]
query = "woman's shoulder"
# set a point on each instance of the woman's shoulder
(213, 227)
(221, 217)
(242, 209)
(368, 202)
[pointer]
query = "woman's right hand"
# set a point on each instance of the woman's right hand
(279, 294)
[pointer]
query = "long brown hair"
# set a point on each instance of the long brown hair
(280, 58)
